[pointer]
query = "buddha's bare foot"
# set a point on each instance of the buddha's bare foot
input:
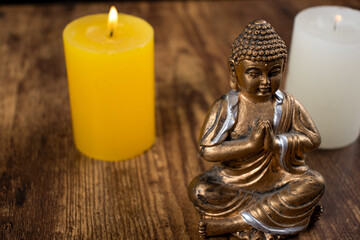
(202, 229)
(214, 227)
(316, 214)
(254, 234)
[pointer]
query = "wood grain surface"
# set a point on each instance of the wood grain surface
(48, 190)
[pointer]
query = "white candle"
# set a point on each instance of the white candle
(324, 71)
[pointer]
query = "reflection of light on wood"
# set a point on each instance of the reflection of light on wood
(112, 20)
(337, 19)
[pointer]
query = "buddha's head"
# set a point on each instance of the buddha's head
(257, 60)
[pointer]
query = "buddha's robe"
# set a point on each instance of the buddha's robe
(274, 192)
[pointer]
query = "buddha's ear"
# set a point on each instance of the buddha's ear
(283, 65)
(233, 79)
(233, 84)
(232, 67)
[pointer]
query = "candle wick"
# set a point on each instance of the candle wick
(337, 19)
(111, 33)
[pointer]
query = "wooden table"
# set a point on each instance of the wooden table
(48, 190)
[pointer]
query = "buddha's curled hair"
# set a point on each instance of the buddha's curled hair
(258, 42)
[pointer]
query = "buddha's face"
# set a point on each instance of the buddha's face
(259, 79)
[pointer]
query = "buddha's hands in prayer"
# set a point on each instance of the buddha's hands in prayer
(271, 142)
(258, 133)
(263, 137)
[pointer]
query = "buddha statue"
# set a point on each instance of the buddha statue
(258, 136)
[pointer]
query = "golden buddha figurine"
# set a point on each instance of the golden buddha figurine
(260, 187)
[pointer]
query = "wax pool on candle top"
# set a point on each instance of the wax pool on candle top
(111, 85)
(323, 71)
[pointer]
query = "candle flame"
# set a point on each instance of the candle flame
(112, 20)
(337, 18)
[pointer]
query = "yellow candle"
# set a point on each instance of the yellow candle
(110, 73)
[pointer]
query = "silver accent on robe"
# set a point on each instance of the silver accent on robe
(273, 230)
(279, 96)
(232, 99)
